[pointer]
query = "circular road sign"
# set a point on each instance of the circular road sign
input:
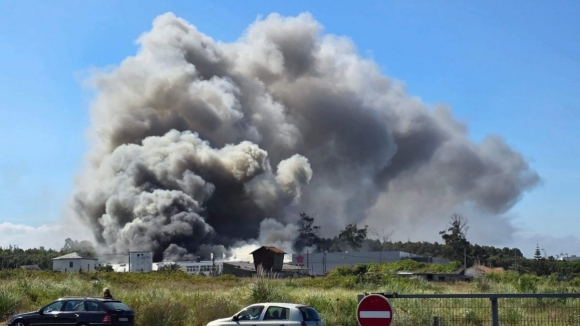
(374, 310)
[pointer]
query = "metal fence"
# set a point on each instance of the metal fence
(494, 309)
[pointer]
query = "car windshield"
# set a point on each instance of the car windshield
(309, 314)
(116, 305)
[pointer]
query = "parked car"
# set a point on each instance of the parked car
(272, 314)
(77, 311)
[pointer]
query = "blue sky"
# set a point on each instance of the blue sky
(511, 68)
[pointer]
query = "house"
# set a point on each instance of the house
(73, 262)
(477, 271)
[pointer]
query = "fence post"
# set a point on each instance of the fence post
(494, 312)
(435, 321)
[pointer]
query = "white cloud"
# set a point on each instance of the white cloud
(50, 236)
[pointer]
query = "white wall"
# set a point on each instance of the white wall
(141, 261)
(190, 267)
(63, 265)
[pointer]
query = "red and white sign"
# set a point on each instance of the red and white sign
(374, 310)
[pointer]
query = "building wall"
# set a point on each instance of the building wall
(318, 263)
(141, 261)
(195, 268)
(268, 259)
(230, 269)
(64, 265)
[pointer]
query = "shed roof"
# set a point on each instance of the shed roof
(272, 249)
(74, 255)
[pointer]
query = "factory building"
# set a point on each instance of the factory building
(324, 262)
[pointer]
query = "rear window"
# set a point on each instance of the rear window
(309, 314)
(115, 305)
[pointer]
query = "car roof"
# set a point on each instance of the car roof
(87, 298)
(280, 304)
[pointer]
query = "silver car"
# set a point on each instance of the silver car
(272, 314)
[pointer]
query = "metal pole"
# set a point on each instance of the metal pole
(494, 312)
(307, 259)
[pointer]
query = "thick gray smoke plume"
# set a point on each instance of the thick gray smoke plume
(196, 142)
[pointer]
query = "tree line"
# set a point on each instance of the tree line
(13, 257)
(454, 246)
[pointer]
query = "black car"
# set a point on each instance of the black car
(77, 311)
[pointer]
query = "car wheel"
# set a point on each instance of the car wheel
(18, 322)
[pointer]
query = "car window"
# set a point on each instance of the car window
(55, 306)
(94, 306)
(277, 313)
(116, 305)
(251, 313)
(74, 305)
(309, 314)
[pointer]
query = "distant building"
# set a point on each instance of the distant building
(247, 269)
(140, 261)
(569, 258)
(270, 259)
(322, 263)
(455, 276)
(477, 271)
(267, 260)
(73, 262)
(195, 267)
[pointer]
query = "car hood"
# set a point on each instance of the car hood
(24, 314)
(219, 321)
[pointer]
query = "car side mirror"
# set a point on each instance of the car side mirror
(40, 311)
(236, 318)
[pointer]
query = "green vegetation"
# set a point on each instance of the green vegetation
(176, 298)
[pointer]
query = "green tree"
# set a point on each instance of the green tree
(456, 244)
(307, 232)
(353, 236)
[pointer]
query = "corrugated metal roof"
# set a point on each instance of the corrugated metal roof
(74, 255)
(272, 249)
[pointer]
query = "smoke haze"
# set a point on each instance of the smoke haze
(199, 145)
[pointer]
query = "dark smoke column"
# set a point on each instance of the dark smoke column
(195, 142)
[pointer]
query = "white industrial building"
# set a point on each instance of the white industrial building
(140, 261)
(73, 262)
(195, 267)
(134, 261)
(321, 263)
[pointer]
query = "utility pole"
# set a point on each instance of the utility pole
(465, 258)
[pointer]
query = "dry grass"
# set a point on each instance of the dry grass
(180, 299)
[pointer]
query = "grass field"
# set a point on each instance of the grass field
(180, 299)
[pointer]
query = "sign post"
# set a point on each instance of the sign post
(374, 310)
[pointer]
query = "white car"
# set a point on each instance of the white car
(272, 314)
